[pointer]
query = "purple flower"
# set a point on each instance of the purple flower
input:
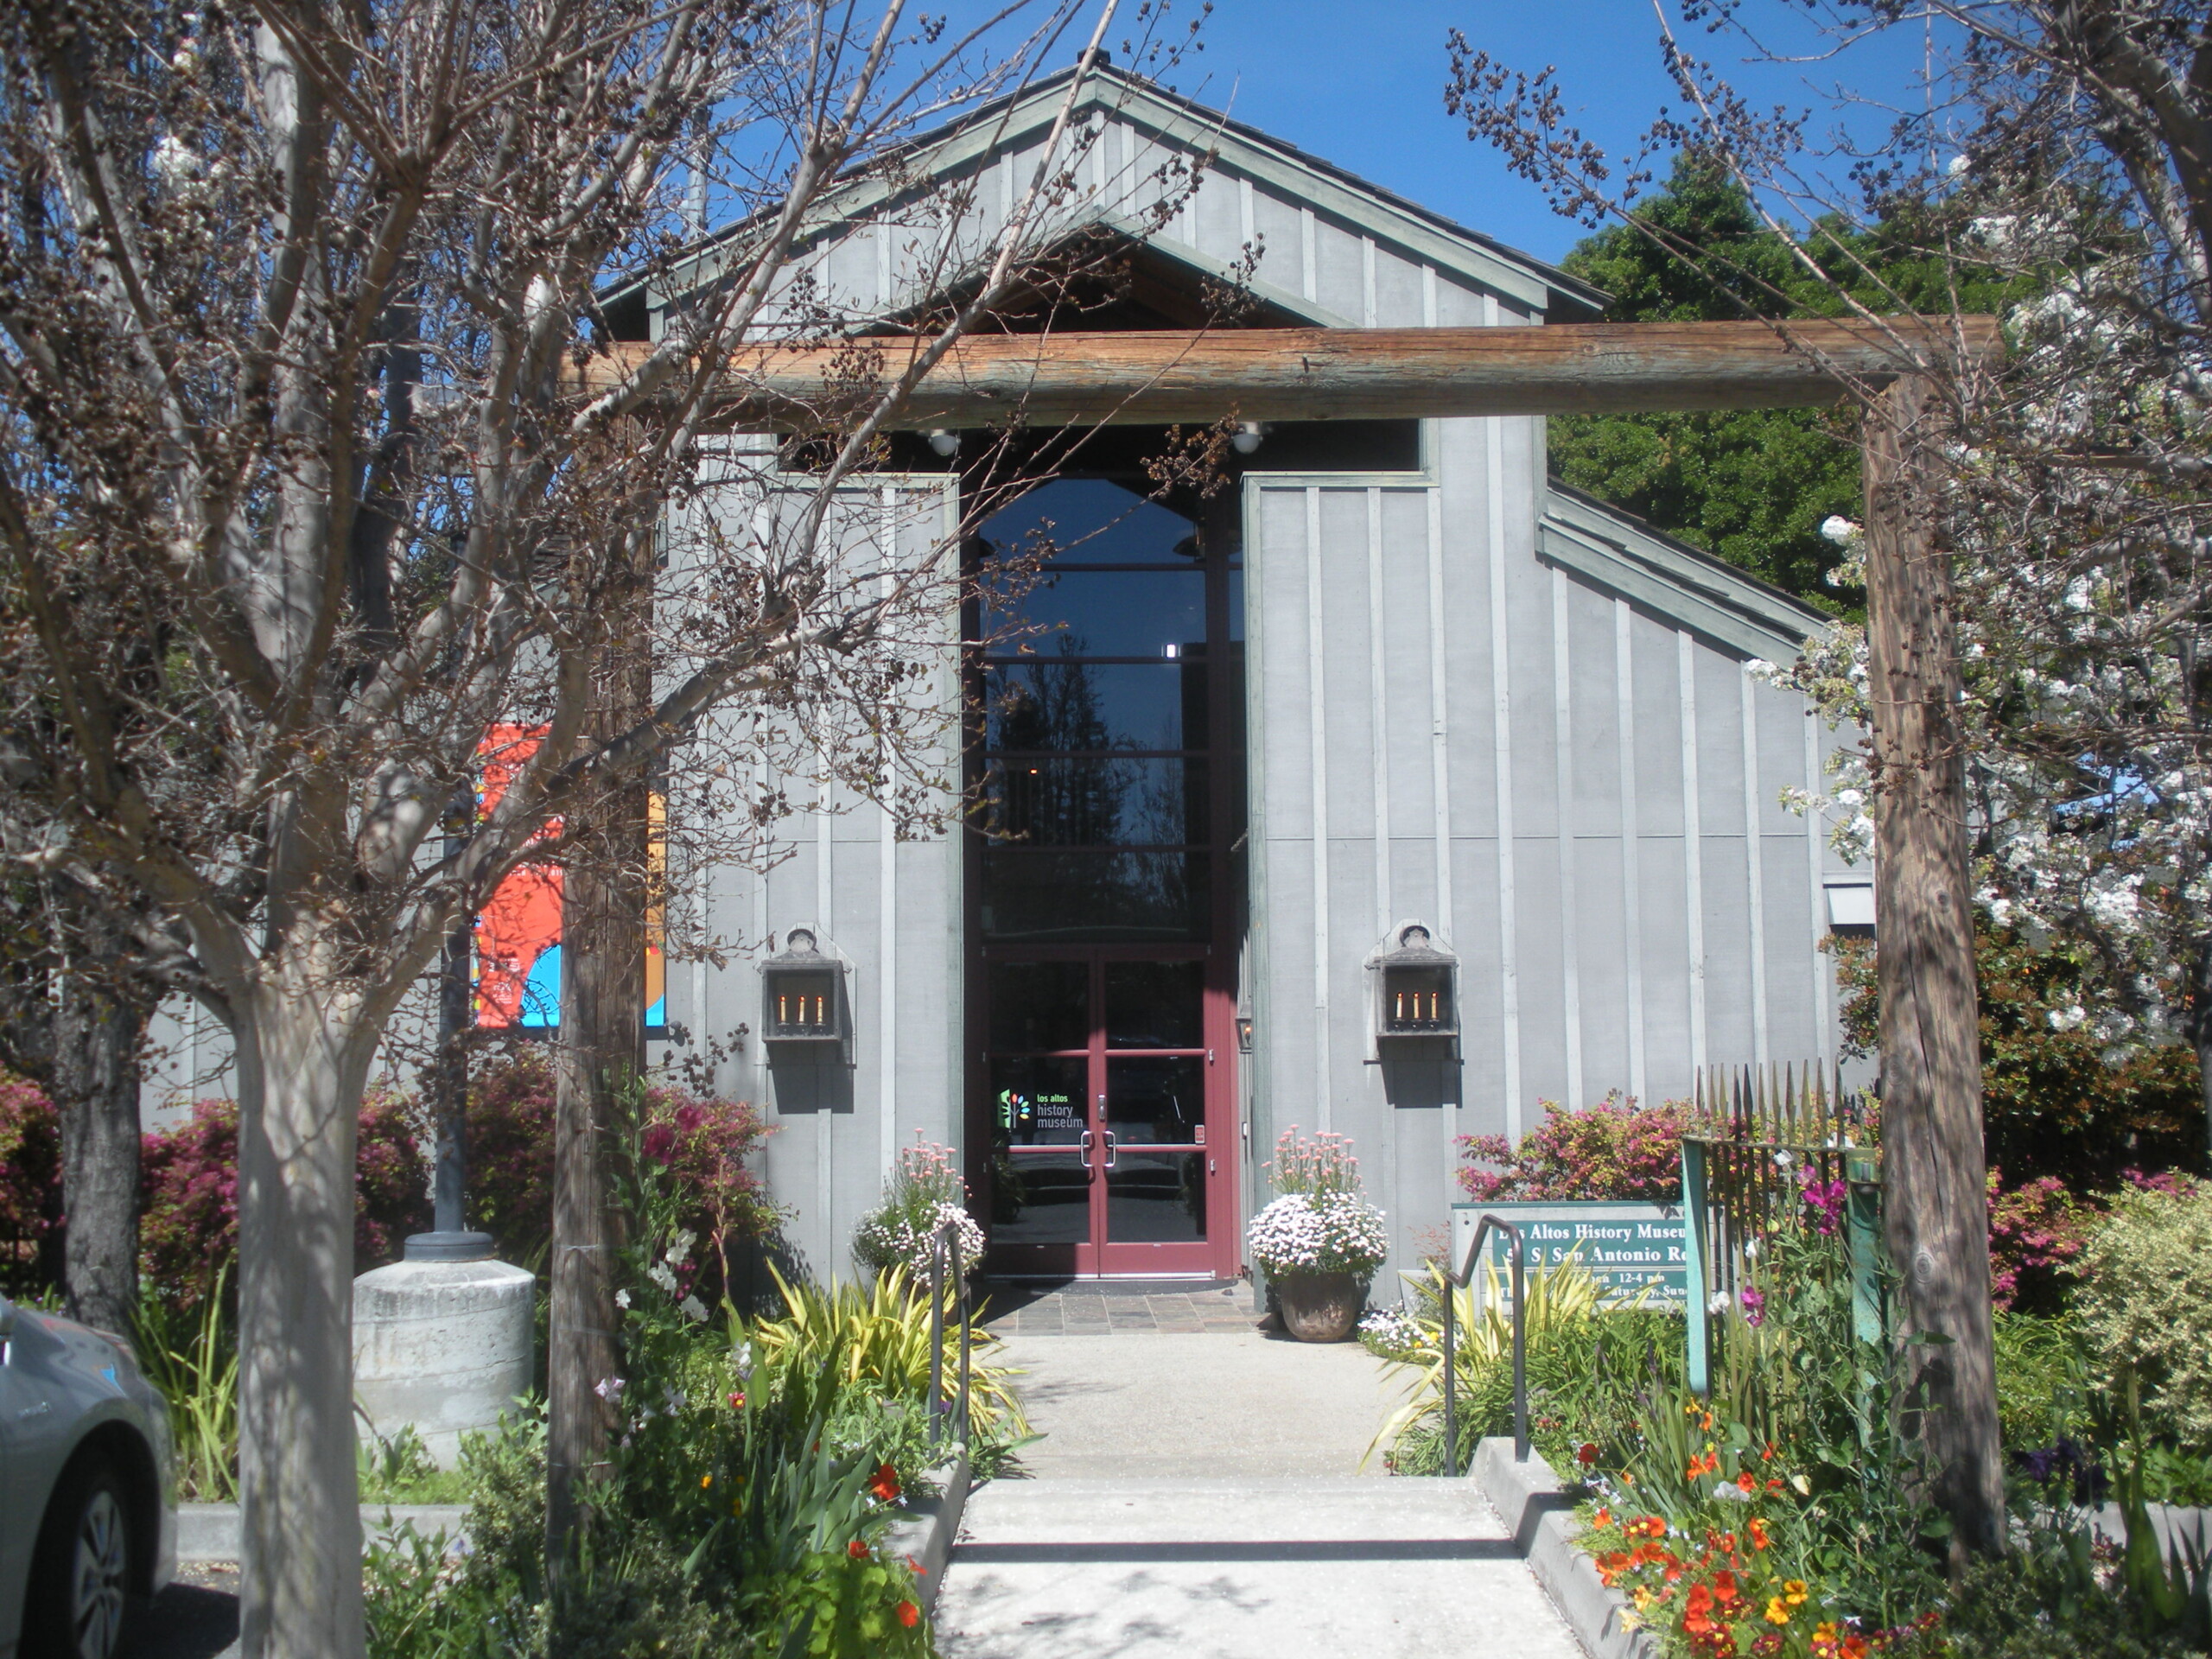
(1754, 1305)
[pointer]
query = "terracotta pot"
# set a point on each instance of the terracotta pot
(1320, 1307)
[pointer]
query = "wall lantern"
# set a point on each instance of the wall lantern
(1416, 992)
(802, 991)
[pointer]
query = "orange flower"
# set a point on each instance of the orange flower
(886, 1484)
(1757, 1529)
(1603, 1518)
(1724, 1588)
(1793, 1592)
(909, 1615)
(1745, 1485)
(857, 1550)
(705, 1481)
(1776, 1612)
(1697, 1611)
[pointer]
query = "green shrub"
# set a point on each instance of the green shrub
(1586, 1365)
(2145, 1308)
(2045, 1600)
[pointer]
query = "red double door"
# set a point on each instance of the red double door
(1109, 1087)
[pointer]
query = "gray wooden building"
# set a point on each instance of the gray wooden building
(1423, 687)
(1392, 679)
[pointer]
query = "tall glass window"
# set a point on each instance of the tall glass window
(1097, 725)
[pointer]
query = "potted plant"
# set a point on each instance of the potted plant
(924, 1192)
(1320, 1241)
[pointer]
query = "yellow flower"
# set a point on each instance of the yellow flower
(1793, 1591)
(705, 1481)
(1776, 1612)
(1642, 1599)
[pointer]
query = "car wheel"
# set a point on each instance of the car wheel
(84, 1576)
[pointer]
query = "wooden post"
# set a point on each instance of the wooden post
(1698, 1320)
(600, 1061)
(1932, 1160)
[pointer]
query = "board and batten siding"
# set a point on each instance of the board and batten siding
(1579, 794)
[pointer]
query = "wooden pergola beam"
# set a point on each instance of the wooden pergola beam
(1334, 374)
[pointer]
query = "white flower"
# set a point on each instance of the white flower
(621, 1299)
(1338, 1233)
(1729, 1492)
(1720, 1304)
(1782, 1160)
(1839, 529)
(663, 1275)
(1750, 1250)
(610, 1389)
(693, 1310)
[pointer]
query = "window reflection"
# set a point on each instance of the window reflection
(1065, 706)
(1095, 896)
(1046, 802)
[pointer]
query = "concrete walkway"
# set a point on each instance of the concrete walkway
(1197, 1496)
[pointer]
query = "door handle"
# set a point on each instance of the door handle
(1108, 1133)
(1085, 1144)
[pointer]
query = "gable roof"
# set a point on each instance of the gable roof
(1007, 124)
(1617, 551)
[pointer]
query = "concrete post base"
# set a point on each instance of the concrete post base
(442, 1345)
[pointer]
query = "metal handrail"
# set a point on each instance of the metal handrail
(944, 1244)
(1460, 1280)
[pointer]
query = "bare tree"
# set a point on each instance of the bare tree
(2056, 561)
(317, 478)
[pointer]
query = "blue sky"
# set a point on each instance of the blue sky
(1362, 85)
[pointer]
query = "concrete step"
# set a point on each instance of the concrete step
(1345, 1507)
(1246, 1568)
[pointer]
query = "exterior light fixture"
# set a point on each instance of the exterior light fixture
(1245, 441)
(804, 999)
(945, 443)
(1416, 989)
(1243, 1033)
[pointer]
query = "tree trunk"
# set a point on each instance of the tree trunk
(301, 1065)
(1933, 1167)
(98, 1032)
(602, 1057)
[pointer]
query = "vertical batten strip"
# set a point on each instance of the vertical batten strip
(1378, 711)
(1631, 846)
(1244, 223)
(825, 1121)
(1367, 306)
(1754, 866)
(1501, 690)
(1823, 1040)
(1439, 765)
(1309, 274)
(887, 894)
(1316, 715)
(1693, 846)
(1563, 764)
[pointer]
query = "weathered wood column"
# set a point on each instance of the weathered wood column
(601, 1060)
(1933, 1168)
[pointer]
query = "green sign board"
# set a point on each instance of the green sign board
(1635, 1251)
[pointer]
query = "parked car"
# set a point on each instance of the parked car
(88, 1524)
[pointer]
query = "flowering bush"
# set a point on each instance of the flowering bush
(1612, 1150)
(188, 1183)
(1336, 1233)
(924, 1192)
(2037, 1234)
(1390, 1333)
(30, 1186)
(1719, 1589)
(511, 1153)
(703, 1141)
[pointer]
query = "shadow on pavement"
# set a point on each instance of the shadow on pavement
(190, 1621)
